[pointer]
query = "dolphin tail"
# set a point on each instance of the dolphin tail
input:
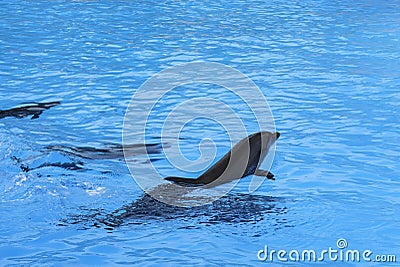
(183, 181)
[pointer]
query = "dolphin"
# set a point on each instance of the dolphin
(242, 160)
(25, 110)
(111, 151)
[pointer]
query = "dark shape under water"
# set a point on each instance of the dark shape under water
(34, 109)
(230, 209)
(113, 151)
(91, 153)
(65, 165)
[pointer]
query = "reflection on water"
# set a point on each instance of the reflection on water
(230, 209)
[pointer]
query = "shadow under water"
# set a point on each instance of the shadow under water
(230, 209)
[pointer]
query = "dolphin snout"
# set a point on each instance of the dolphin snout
(277, 134)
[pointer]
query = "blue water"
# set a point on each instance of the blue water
(330, 71)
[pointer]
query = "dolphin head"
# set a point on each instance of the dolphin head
(269, 138)
(267, 141)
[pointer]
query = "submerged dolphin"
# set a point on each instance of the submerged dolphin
(242, 160)
(111, 151)
(34, 109)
